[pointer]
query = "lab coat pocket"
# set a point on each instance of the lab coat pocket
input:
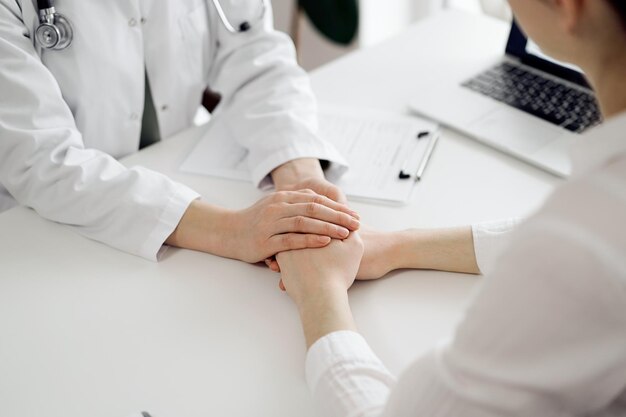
(194, 32)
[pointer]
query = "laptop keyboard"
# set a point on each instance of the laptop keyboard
(557, 103)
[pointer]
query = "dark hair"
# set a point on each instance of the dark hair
(620, 7)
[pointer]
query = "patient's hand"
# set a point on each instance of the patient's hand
(318, 274)
(383, 253)
(449, 249)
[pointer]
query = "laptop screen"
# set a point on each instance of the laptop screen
(529, 53)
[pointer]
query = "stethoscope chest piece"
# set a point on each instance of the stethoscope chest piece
(54, 30)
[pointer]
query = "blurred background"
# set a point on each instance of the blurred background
(327, 29)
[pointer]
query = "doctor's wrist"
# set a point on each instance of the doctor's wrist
(201, 228)
(297, 171)
(306, 174)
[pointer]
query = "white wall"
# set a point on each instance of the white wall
(379, 20)
(382, 19)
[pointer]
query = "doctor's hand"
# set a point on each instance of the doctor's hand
(306, 173)
(280, 222)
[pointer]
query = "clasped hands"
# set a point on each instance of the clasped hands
(306, 212)
(337, 262)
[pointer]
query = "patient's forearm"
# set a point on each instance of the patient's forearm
(325, 313)
(440, 249)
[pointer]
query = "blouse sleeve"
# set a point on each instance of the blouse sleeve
(490, 240)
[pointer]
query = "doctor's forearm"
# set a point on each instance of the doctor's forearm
(276, 223)
(201, 228)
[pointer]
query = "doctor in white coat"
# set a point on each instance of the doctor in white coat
(135, 72)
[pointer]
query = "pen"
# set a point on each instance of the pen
(426, 157)
(403, 175)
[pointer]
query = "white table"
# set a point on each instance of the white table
(89, 331)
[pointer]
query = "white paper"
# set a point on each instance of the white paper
(377, 145)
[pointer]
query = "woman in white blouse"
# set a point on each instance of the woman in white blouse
(546, 335)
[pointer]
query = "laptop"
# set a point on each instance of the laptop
(526, 105)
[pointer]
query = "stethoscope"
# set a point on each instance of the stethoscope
(55, 31)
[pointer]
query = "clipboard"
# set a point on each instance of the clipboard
(387, 153)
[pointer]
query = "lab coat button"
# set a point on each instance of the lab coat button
(164, 107)
(134, 116)
(132, 22)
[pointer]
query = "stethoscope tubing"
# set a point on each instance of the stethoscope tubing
(244, 26)
(61, 28)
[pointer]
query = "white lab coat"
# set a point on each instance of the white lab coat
(65, 116)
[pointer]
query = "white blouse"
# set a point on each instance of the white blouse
(545, 336)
